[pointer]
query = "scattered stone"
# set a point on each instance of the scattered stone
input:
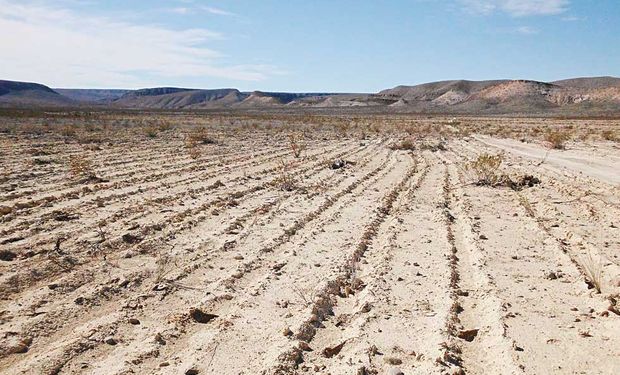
(468, 335)
(200, 316)
(551, 275)
(134, 321)
(483, 237)
(393, 361)
(191, 371)
(394, 371)
(287, 332)
(7, 255)
(12, 343)
(131, 238)
(304, 346)
(110, 340)
(4, 210)
(332, 351)
(338, 163)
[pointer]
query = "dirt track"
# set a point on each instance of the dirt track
(394, 261)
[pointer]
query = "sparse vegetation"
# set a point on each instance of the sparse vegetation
(296, 144)
(322, 237)
(557, 138)
(486, 169)
(594, 271)
(81, 166)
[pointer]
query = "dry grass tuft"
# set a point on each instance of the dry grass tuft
(200, 136)
(406, 145)
(296, 144)
(486, 169)
(557, 138)
(593, 269)
(80, 166)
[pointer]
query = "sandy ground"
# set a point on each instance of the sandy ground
(395, 263)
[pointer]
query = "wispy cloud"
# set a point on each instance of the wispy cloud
(59, 46)
(191, 7)
(526, 30)
(516, 8)
(218, 11)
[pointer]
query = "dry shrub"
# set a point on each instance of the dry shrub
(486, 169)
(80, 166)
(192, 149)
(286, 180)
(151, 132)
(164, 126)
(200, 135)
(557, 138)
(406, 144)
(296, 144)
(610, 135)
(68, 131)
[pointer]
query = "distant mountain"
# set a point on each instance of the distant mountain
(25, 94)
(577, 96)
(92, 95)
(178, 98)
(589, 83)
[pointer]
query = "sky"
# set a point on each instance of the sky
(304, 45)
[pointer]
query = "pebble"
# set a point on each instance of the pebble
(110, 340)
(395, 371)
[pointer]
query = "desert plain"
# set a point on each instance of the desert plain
(187, 243)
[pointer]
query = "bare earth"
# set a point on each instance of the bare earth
(244, 259)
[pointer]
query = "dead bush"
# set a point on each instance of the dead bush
(286, 180)
(192, 149)
(557, 138)
(296, 144)
(486, 172)
(610, 135)
(406, 144)
(200, 135)
(151, 132)
(486, 169)
(80, 166)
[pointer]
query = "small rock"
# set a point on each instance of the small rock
(304, 346)
(131, 238)
(134, 321)
(338, 163)
(7, 255)
(110, 340)
(200, 316)
(468, 335)
(551, 275)
(393, 361)
(394, 371)
(332, 351)
(287, 331)
(191, 371)
(483, 237)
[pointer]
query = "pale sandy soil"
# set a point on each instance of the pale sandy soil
(396, 263)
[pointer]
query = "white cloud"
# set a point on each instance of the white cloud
(60, 47)
(218, 11)
(526, 30)
(517, 8)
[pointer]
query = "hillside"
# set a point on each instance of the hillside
(92, 95)
(26, 94)
(577, 96)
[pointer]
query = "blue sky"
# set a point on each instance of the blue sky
(304, 45)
